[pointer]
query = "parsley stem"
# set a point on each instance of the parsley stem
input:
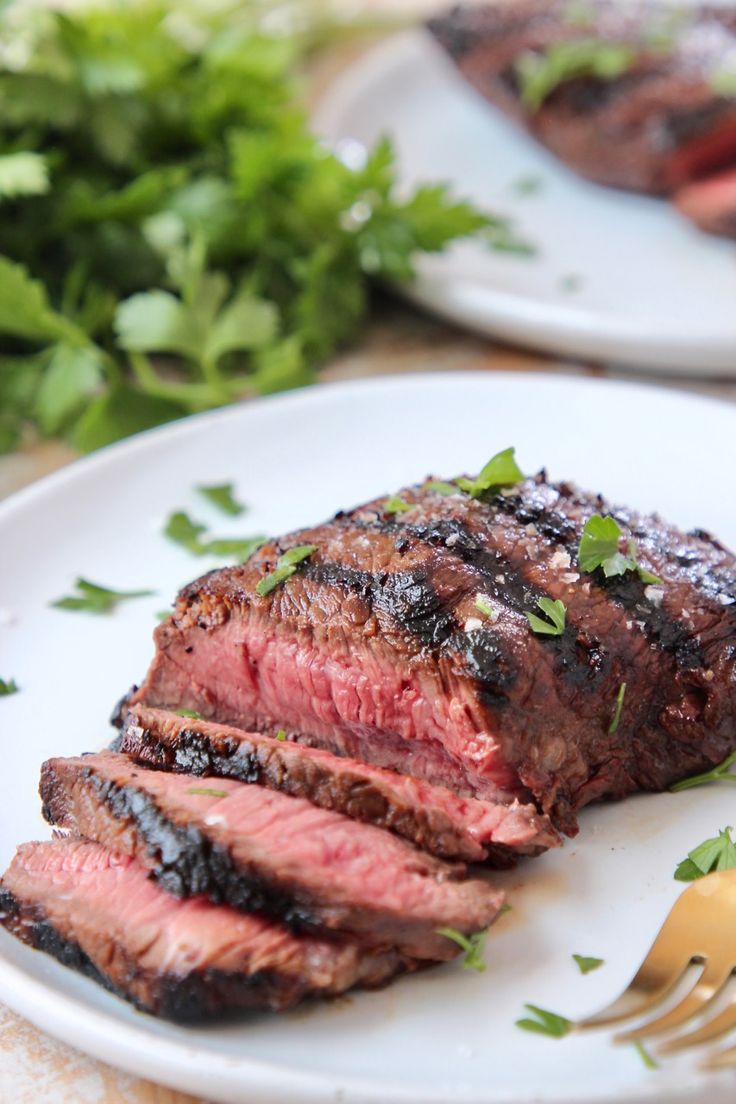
(197, 396)
(719, 773)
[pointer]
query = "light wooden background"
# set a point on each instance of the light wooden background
(35, 1069)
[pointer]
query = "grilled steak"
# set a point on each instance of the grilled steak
(258, 849)
(432, 817)
(632, 95)
(375, 648)
(100, 913)
(711, 203)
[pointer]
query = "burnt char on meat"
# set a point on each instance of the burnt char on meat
(375, 648)
(659, 124)
(258, 849)
(432, 817)
(101, 914)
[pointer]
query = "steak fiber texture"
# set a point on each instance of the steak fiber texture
(375, 648)
(432, 817)
(99, 912)
(261, 850)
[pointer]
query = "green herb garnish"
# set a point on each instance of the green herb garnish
(482, 605)
(473, 945)
(181, 529)
(599, 547)
(500, 471)
(285, 568)
(616, 719)
(723, 82)
(571, 283)
(163, 615)
(205, 791)
(396, 505)
(281, 734)
(528, 185)
(541, 72)
(721, 773)
(441, 488)
(188, 713)
(223, 497)
(7, 687)
(718, 853)
(93, 598)
(645, 1056)
(546, 1023)
(505, 907)
(586, 964)
(555, 611)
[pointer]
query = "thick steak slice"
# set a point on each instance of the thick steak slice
(258, 849)
(375, 648)
(711, 203)
(100, 913)
(657, 122)
(432, 817)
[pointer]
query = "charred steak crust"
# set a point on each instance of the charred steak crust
(259, 850)
(654, 127)
(433, 818)
(275, 975)
(375, 648)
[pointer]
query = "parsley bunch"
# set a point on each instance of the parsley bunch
(172, 236)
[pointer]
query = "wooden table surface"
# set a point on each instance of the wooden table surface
(35, 1069)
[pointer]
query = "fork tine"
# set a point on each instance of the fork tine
(725, 1021)
(720, 1059)
(710, 982)
(655, 978)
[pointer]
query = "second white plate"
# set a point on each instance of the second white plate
(616, 277)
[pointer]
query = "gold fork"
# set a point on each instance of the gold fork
(701, 929)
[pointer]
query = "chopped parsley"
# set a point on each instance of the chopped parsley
(586, 964)
(599, 547)
(223, 497)
(482, 606)
(571, 282)
(541, 72)
(163, 615)
(555, 611)
(718, 853)
(645, 1056)
(528, 185)
(473, 946)
(500, 471)
(7, 687)
(546, 1023)
(93, 598)
(281, 734)
(396, 505)
(285, 568)
(721, 773)
(616, 719)
(205, 791)
(188, 713)
(441, 488)
(182, 530)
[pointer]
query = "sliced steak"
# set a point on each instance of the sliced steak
(711, 204)
(432, 817)
(100, 913)
(654, 122)
(258, 849)
(375, 648)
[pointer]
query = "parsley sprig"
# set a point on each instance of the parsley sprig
(718, 853)
(93, 598)
(7, 687)
(286, 565)
(586, 964)
(222, 495)
(545, 1023)
(500, 471)
(618, 710)
(556, 613)
(599, 548)
(182, 529)
(540, 72)
(473, 945)
(396, 505)
(720, 773)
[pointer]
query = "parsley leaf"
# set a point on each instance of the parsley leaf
(481, 604)
(93, 598)
(8, 686)
(222, 495)
(285, 568)
(599, 547)
(720, 773)
(188, 713)
(546, 1023)
(396, 505)
(441, 488)
(586, 964)
(541, 72)
(181, 529)
(206, 791)
(616, 719)
(718, 853)
(555, 611)
(500, 471)
(473, 945)
(23, 174)
(281, 735)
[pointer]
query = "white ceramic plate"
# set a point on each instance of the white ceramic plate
(447, 1035)
(649, 290)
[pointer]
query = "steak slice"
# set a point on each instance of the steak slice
(258, 849)
(432, 817)
(654, 121)
(711, 203)
(100, 913)
(375, 648)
